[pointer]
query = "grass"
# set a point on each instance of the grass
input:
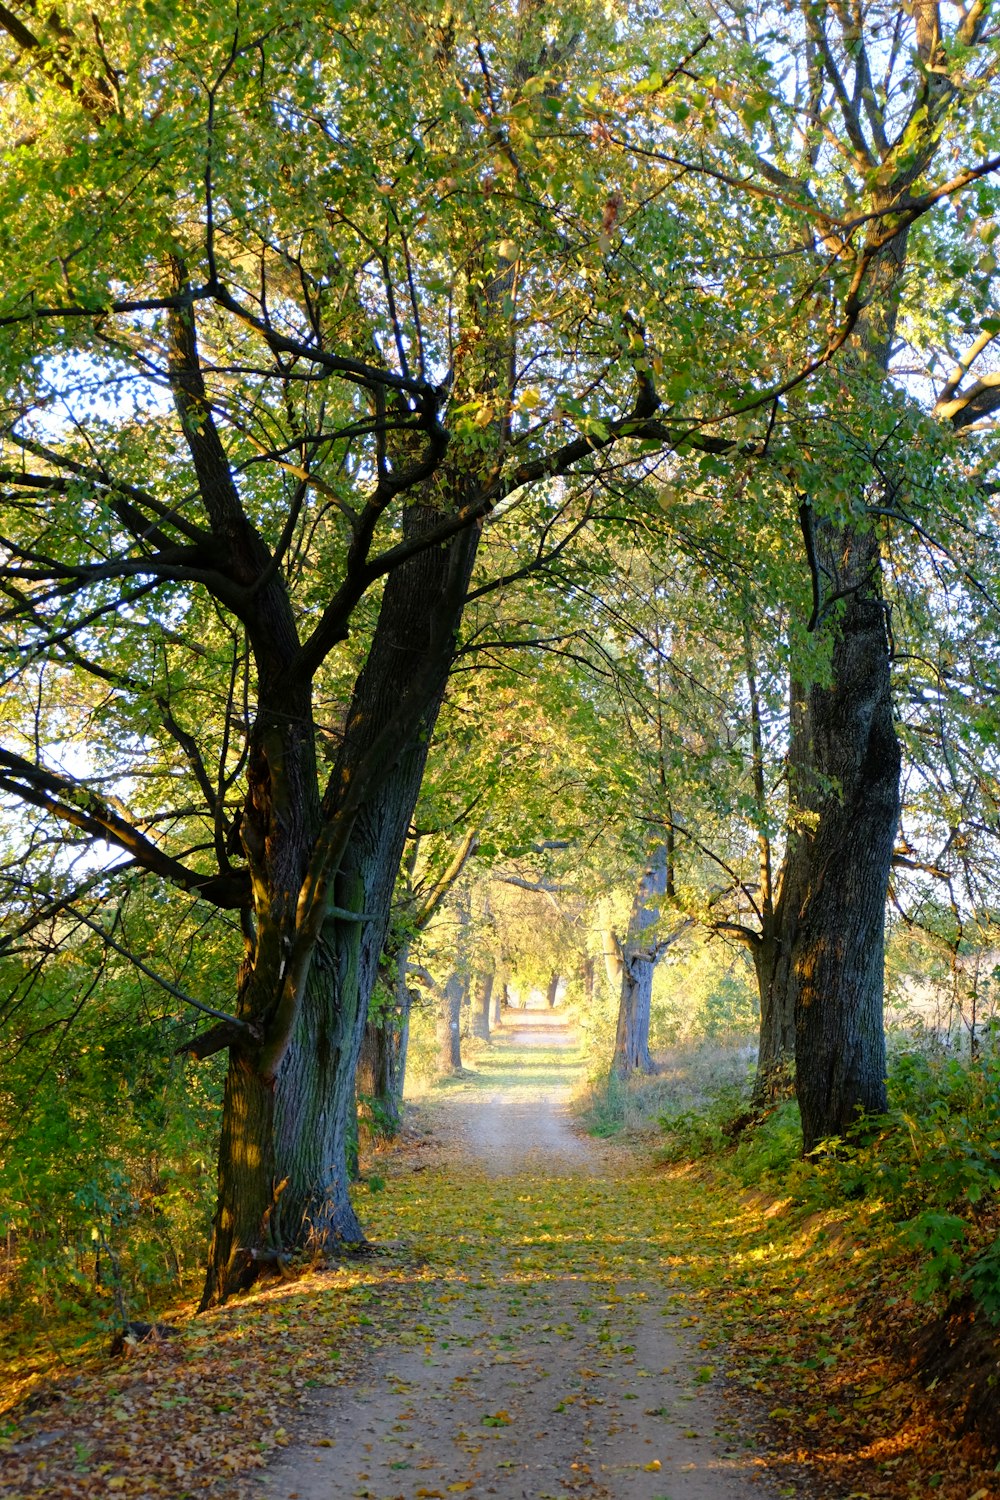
(694, 1078)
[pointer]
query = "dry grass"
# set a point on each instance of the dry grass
(689, 1076)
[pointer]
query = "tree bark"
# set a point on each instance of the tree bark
(411, 651)
(482, 1003)
(839, 861)
(630, 965)
(632, 1053)
(841, 866)
(552, 991)
(247, 1181)
(449, 1027)
(314, 1111)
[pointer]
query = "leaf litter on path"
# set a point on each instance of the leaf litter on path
(548, 1359)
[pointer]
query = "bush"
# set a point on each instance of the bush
(107, 1184)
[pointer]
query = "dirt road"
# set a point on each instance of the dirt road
(551, 1358)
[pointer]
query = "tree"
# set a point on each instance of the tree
(381, 1073)
(868, 119)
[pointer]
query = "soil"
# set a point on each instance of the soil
(958, 1356)
(519, 1390)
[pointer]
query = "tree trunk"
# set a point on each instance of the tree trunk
(630, 966)
(482, 1005)
(634, 1008)
(449, 1032)
(552, 991)
(247, 1185)
(411, 652)
(500, 999)
(381, 1075)
(841, 867)
(776, 1046)
(279, 821)
(316, 1117)
(314, 1110)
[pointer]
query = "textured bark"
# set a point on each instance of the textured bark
(279, 822)
(311, 1072)
(839, 862)
(247, 1183)
(412, 651)
(842, 870)
(837, 866)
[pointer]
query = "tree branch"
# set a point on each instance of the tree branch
(75, 804)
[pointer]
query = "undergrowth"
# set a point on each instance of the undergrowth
(926, 1174)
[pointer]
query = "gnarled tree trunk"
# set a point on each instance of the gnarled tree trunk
(841, 868)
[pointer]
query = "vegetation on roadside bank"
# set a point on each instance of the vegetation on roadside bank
(880, 1258)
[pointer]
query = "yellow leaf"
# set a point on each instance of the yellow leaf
(653, 1467)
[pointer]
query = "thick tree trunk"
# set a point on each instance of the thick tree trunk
(316, 1118)
(279, 822)
(241, 1235)
(482, 1001)
(410, 654)
(303, 1165)
(552, 991)
(839, 857)
(841, 867)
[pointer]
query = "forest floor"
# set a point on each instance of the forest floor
(544, 1315)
